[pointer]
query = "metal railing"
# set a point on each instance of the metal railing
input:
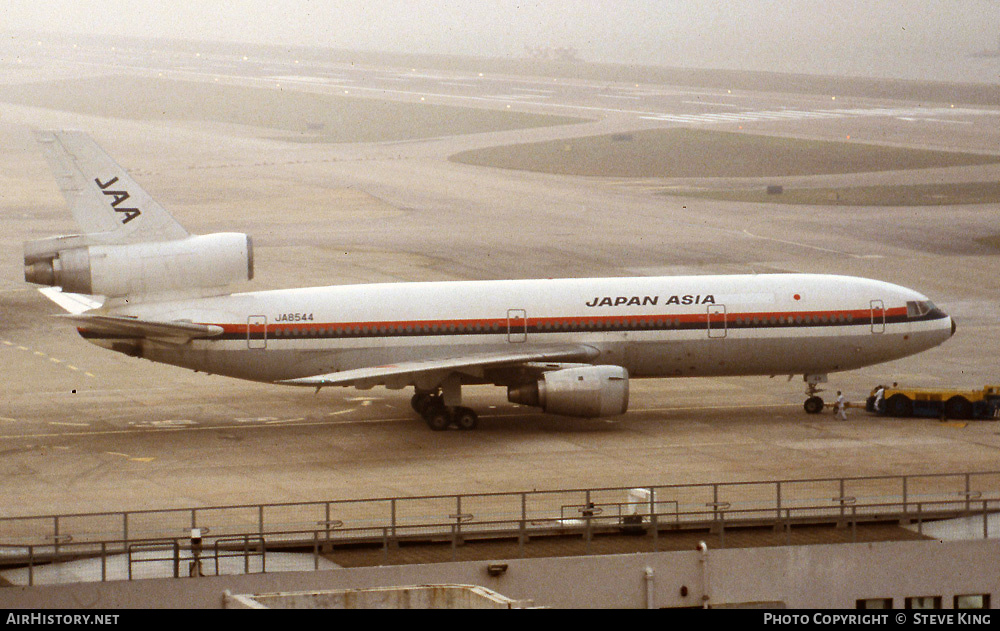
(593, 521)
(386, 522)
(397, 512)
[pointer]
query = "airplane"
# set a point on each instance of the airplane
(135, 281)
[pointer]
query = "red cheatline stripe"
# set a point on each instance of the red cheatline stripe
(761, 317)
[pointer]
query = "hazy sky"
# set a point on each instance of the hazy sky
(912, 38)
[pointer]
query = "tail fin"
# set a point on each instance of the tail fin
(131, 248)
(105, 201)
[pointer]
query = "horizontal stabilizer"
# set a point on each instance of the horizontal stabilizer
(73, 303)
(174, 332)
(432, 371)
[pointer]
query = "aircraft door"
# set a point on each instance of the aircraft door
(517, 326)
(878, 316)
(257, 331)
(717, 321)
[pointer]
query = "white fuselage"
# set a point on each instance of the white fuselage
(683, 326)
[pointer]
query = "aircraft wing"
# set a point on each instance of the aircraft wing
(430, 372)
(173, 332)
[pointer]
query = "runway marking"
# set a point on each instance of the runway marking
(128, 457)
(932, 120)
(532, 90)
(914, 114)
(68, 424)
(729, 105)
(54, 360)
(810, 247)
(513, 98)
(166, 424)
(365, 401)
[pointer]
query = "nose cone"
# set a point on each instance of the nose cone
(938, 331)
(945, 330)
(944, 326)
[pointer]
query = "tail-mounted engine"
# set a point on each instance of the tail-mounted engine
(587, 391)
(77, 265)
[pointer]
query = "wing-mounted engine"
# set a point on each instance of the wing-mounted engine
(587, 391)
(79, 264)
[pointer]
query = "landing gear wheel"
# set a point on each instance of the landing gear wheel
(465, 418)
(439, 407)
(422, 402)
(438, 419)
(813, 405)
(426, 403)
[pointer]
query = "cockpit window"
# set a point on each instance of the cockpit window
(918, 308)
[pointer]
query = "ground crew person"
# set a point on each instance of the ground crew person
(879, 398)
(840, 407)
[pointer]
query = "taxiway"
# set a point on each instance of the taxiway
(83, 429)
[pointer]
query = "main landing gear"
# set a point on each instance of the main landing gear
(439, 416)
(813, 404)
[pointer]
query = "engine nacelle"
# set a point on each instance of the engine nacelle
(586, 391)
(206, 261)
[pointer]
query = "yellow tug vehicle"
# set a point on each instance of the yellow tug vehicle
(944, 403)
